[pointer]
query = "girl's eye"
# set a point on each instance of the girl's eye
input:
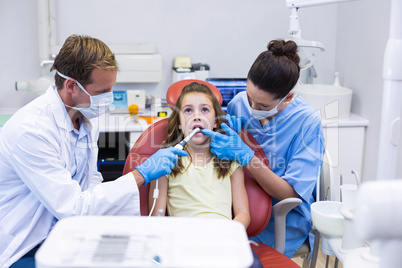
(205, 110)
(187, 110)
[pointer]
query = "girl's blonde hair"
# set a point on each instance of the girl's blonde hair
(175, 135)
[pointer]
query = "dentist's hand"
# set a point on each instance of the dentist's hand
(236, 123)
(160, 163)
(230, 147)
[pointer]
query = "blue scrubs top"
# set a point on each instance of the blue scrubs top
(293, 142)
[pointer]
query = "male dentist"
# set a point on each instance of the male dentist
(48, 155)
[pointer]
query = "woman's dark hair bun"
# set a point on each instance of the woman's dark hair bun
(281, 47)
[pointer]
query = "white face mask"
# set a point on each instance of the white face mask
(259, 114)
(99, 104)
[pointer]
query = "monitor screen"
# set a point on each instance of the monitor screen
(229, 87)
(120, 99)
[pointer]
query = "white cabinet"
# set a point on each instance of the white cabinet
(344, 142)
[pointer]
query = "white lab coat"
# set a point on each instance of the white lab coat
(36, 184)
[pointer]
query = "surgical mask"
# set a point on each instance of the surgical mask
(99, 104)
(259, 114)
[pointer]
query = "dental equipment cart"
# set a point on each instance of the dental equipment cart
(120, 241)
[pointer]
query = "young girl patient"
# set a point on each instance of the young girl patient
(200, 185)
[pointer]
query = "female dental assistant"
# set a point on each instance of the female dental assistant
(287, 129)
(48, 155)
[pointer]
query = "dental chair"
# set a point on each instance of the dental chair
(260, 202)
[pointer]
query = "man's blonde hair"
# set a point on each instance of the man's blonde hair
(79, 56)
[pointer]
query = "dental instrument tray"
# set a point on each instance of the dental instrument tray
(120, 241)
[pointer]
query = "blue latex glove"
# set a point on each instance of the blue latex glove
(160, 163)
(229, 147)
(236, 123)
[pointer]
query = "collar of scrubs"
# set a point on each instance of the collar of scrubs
(287, 111)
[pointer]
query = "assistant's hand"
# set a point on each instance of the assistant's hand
(236, 123)
(229, 147)
(160, 163)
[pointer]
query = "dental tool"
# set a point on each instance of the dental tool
(183, 143)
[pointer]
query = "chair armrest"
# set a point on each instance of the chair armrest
(280, 210)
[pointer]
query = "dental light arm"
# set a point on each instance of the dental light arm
(295, 30)
(310, 3)
(307, 59)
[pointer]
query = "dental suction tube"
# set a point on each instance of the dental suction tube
(183, 143)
